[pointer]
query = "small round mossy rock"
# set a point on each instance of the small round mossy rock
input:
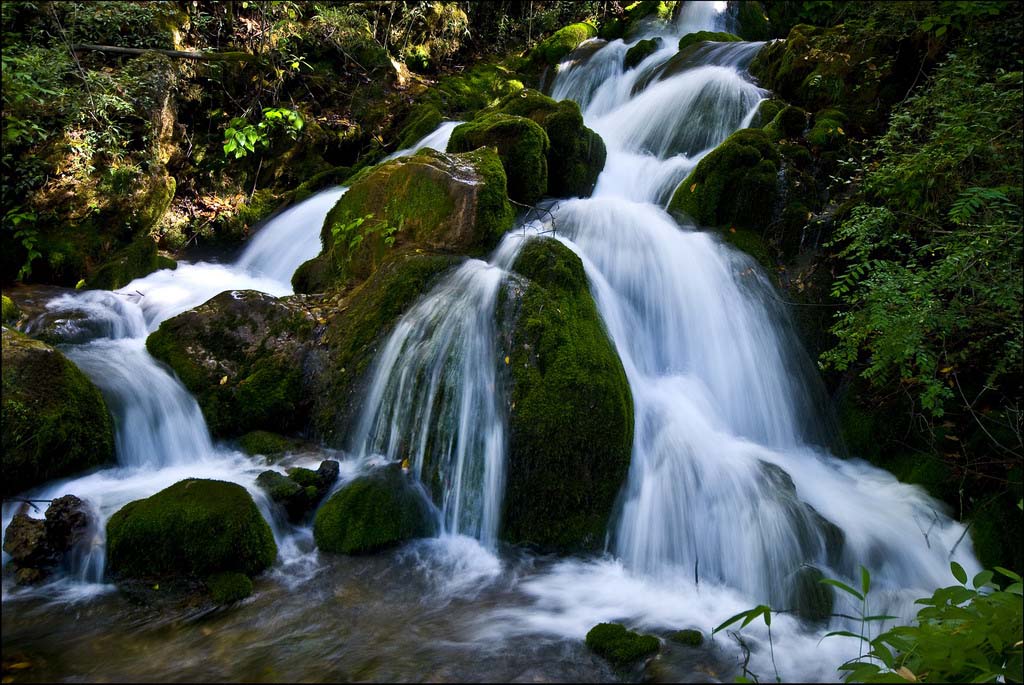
(522, 146)
(639, 52)
(195, 528)
(576, 155)
(812, 600)
(734, 185)
(558, 45)
(620, 646)
(689, 637)
(564, 371)
(371, 513)
(55, 422)
(228, 588)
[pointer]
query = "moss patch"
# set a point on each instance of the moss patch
(706, 37)
(228, 588)
(562, 484)
(55, 422)
(522, 146)
(194, 528)
(270, 445)
(135, 261)
(422, 120)
(689, 637)
(11, 313)
(734, 185)
(639, 52)
(620, 646)
(558, 45)
(371, 513)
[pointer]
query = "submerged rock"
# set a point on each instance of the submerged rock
(301, 490)
(193, 529)
(812, 600)
(688, 636)
(641, 51)
(55, 421)
(428, 201)
(620, 646)
(38, 546)
(372, 513)
(571, 411)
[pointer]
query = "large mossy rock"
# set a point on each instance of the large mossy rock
(734, 185)
(429, 201)
(852, 67)
(571, 411)
(195, 528)
(372, 513)
(576, 155)
(558, 45)
(55, 422)
(706, 37)
(522, 146)
(135, 261)
(242, 355)
(639, 52)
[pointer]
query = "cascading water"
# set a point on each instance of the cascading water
(160, 434)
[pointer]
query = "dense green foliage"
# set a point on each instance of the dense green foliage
(371, 513)
(55, 422)
(193, 528)
(562, 483)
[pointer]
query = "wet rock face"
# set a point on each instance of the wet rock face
(38, 546)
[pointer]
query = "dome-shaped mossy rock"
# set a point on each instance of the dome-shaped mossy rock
(641, 51)
(522, 146)
(812, 599)
(789, 122)
(570, 411)
(707, 37)
(371, 513)
(241, 354)
(558, 45)
(195, 528)
(55, 422)
(576, 156)
(619, 645)
(734, 185)
(430, 201)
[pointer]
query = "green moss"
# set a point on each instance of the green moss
(11, 313)
(135, 261)
(612, 29)
(429, 200)
(812, 600)
(766, 111)
(228, 588)
(417, 57)
(271, 390)
(522, 146)
(325, 179)
(620, 646)
(639, 52)
(371, 513)
(827, 132)
(354, 334)
(195, 528)
(734, 185)
(423, 119)
(562, 484)
(268, 444)
(706, 36)
(751, 243)
(54, 420)
(751, 22)
(558, 45)
(689, 637)
(261, 205)
(459, 96)
(788, 123)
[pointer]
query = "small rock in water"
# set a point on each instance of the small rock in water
(689, 636)
(620, 646)
(37, 546)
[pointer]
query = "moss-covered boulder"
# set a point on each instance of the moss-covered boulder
(690, 637)
(576, 155)
(570, 412)
(558, 45)
(789, 122)
(827, 133)
(242, 355)
(693, 50)
(55, 422)
(428, 201)
(195, 528)
(641, 51)
(228, 588)
(706, 37)
(619, 645)
(301, 489)
(734, 185)
(372, 513)
(812, 600)
(135, 261)
(522, 146)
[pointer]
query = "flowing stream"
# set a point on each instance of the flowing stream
(732, 490)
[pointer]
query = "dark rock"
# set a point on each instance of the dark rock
(620, 646)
